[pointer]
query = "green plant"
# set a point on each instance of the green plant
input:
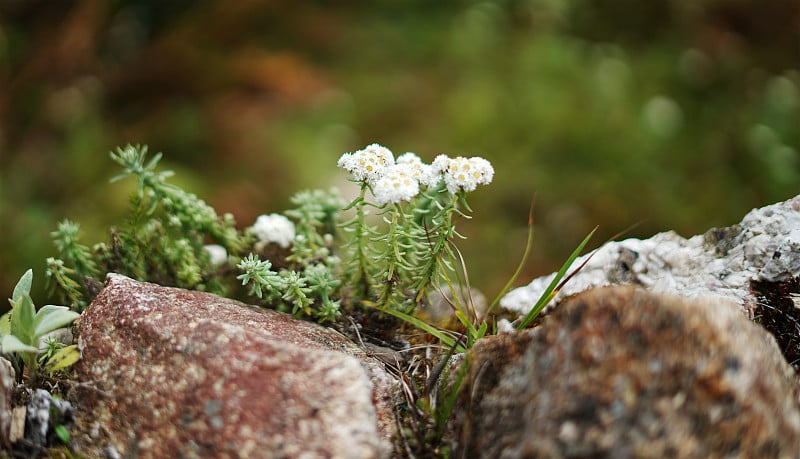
(164, 239)
(418, 203)
(23, 326)
(58, 356)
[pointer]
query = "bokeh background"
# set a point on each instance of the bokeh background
(680, 114)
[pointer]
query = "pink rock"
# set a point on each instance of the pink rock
(190, 374)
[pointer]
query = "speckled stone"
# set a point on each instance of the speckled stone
(621, 372)
(764, 247)
(174, 373)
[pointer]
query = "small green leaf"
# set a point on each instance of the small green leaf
(63, 358)
(23, 286)
(52, 317)
(151, 165)
(119, 177)
(63, 433)
(5, 324)
(11, 343)
(22, 318)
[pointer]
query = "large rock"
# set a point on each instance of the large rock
(621, 372)
(763, 247)
(174, 373)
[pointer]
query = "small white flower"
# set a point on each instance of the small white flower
(440, 164)
(217, 253)
(274, 228)
(425, 174)
(482, 170)
(368, 164)
(409, 158)
(464, 173)
(397, 184)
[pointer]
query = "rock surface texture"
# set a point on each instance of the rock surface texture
(174, 373)
(621, 372)
(764, 247)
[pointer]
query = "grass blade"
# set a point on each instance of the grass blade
(525, 254)
(551, 290)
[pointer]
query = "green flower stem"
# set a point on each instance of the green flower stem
(393, 258)
(360, 273)
(437, 246)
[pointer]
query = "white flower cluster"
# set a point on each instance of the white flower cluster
(274, 228)
(216, 253)
(397, 184)
(423, 173)
(462, 173)
(393, 182)
(367, 164)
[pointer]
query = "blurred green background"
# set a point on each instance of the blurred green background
(684, 114)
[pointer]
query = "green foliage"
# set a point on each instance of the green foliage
(323, 284)
(185, 211)
(59, 356)
(359, 270)
(555, 285)
(306, 288)
(26, 325)
(315, 217)
(264, 283)
(313, 286)
(63, 433)
(67, 241)
(162, 241)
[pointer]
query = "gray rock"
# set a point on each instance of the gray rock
(621, 372)
(764, 246)
(188, 374)
(44, 414)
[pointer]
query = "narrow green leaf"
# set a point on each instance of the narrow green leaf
(482, 330)
(549, 293)
(52, 317)
(119, 177)
(23, 286)
(153, 161)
